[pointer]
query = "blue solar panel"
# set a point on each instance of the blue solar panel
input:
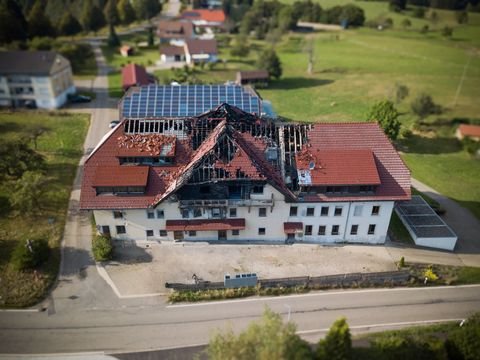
(185, 100)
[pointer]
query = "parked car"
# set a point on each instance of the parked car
(113, 124)
(77, 98)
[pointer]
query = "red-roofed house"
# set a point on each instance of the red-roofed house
(212, 18)
(135, 75)
(229, 175)
(470, 131)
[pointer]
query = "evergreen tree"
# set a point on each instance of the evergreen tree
(125, 11)
(86, 16)
(69, 25)
(13, 26)
(269, 61)
(113, 39)
(38, 23)
(111, 13)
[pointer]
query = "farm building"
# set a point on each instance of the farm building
(135, 75)
(468, 131)
(253, 77)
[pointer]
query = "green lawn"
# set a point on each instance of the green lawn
(61, 145)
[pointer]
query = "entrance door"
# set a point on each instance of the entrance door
(222, 235)
(290, 239)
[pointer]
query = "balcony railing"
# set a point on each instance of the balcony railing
(226, 202)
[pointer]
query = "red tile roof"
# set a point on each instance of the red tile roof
(133, 75)
(469, 130)
(292, 227)
(146, 145)
(121, 176)
(393, 173)
(204, 14)
(205, 225)
(339, 166)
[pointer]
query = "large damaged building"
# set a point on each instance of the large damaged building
(231, 175)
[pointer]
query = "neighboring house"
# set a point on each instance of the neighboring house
(172, 53)
(197, 51)
(470, 131)
(229, 175)
(178, 101)
(206, 18)
(175, 32)
(126, 51)
(254, 77)
(135, 75)
(40, 79)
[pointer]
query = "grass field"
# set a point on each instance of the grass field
(61, 146)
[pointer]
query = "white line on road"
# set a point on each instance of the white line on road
(407, 323)
(326, 293)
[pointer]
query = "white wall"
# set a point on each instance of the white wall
(137, 222)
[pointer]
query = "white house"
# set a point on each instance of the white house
(198, 50)
(229, 175)
(40, 79)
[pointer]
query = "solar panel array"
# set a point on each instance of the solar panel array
(186, 100)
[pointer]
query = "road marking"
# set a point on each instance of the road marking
(21, 310)
(326, 293)
(406, 323)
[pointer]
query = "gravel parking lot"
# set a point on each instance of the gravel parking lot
(139, 270)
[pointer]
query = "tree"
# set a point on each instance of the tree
(28, 191)
(401, 92)
(16, 158)
(268, 339)
(113, 39)
(423, 105)
(406, 23)
(111, 13)
(240, 47)
(13, 26)
(418, 12)
(102, 248)
(125, 11)
(38, 23)
(337, 345)
(386, 115)
(69, 25)
(29, 254)
(37, 131)
(353, 15)
(397, 5)
(462, 17)
(434, 17)
(447, 31)
(286, 19)
(146, 9)
(92, 18)
(269, 61)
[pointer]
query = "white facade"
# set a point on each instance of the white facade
(46, 92)
(340, 221)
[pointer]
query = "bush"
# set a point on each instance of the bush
(29, 254)
(430, 275)
(464, 342)
(470, 146)
(401, 263)
(419, 12)
(102, 248)
(447, 31)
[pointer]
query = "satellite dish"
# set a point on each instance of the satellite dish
(311, 165)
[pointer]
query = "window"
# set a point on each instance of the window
(338, 211)
(150, 214)
(149, 233)
(354, 230)
(192, 233)
(235, 232)
(310, 211)
(322, 229)
(375, 210)
(117, 215)
(335, 229)
(163, 233)
(185, 214)
(308, 229)
(120, 229)
(233, 212)
(257, 189)
(262, 212)
(215, 212)
(261, 231)
(293, 210)
(324, 211)
(178, 235)
(358, 210)
(371, 229)
(160, 214)
(197, 213)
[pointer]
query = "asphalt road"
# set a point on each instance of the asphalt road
(136, 327)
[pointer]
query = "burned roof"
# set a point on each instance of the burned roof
(237, 146)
